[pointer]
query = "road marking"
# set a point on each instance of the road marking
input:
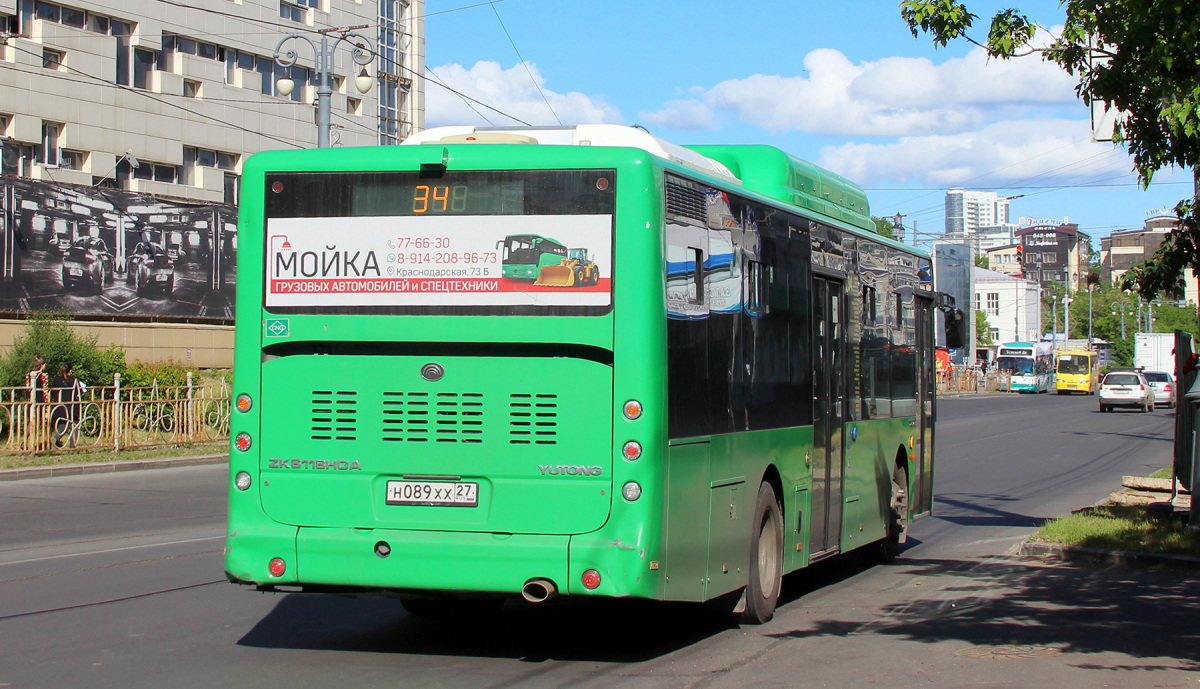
(111, 550)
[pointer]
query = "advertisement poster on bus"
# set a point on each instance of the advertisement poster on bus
(492, 260)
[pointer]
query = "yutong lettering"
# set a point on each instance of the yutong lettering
(320, 464)
(570, 470)
(327, 263)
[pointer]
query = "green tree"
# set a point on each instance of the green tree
(981, 261)
(883, 227)
(53, 338)
(1148, 69)
(983, 334)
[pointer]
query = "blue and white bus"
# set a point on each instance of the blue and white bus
(1030, 365)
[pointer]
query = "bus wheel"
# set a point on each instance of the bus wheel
(766, 558)
(885, 551)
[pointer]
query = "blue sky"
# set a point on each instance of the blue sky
(843, 84)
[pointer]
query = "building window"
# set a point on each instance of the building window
(123, 32)
(143, 68)
(74, 17)
(164, 173)
(72, 160)
(199, 157)
(354, 106)
(50, 147)
(291, 11)
(47, 11)
(52, 59)
(993, 303)
(191, 89)
(17, 159)
(232, 187)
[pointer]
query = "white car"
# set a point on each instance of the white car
(1164, 388)
(1126, 389)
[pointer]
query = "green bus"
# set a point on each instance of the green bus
(748, 389)
(523, 256)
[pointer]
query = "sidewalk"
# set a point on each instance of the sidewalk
(110, 467)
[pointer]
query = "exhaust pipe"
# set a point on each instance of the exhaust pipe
(538, 590)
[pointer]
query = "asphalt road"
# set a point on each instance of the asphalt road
(114, 580)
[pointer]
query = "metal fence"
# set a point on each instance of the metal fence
(962, 380)
(113, 418)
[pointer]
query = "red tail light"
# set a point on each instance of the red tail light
(1141, 387)
(1167, 387)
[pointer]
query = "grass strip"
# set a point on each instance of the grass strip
(1122, 527)
(94, 456)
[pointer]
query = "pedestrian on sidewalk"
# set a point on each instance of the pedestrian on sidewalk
(37, 382)
(64, 420)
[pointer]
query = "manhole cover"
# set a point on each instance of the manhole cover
(1009, 652)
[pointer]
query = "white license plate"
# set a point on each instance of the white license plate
(161, 278)
(435, 493)
(75, 271)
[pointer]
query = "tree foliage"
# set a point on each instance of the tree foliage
(883, 227)
(983, 335)
(1141, 57)
(53, 338)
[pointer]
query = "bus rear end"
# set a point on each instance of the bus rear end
(414, 417)
(1076, 371)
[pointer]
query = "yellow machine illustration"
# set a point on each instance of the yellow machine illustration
(576, 270)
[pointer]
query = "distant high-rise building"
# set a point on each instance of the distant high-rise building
(967, 211)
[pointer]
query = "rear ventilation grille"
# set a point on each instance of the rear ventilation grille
(334, 415)
(533, 419)
(424, 417)
(686, 202)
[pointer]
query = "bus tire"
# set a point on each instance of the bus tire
(766, 558)
(884, 552)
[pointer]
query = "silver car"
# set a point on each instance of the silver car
(1164, 388)
(1126, 389)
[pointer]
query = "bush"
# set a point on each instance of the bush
(50, 335)
(169, 374)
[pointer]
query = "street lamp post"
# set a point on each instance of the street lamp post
(1119, 306)
(361, 53)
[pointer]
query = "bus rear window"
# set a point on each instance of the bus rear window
(463, 243)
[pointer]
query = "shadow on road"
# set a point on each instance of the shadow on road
(607, 630)
(975, 510)
(1144, 614)
(620, 631)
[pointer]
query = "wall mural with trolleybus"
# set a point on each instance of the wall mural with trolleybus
(493, 365)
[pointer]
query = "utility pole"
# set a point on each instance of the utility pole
(898, 227)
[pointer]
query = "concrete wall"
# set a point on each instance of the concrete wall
(204, 346)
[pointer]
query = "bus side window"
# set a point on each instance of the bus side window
(696, 293)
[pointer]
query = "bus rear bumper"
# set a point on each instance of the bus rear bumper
(383, 560)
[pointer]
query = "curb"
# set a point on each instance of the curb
(1075, 553)
(109, 467)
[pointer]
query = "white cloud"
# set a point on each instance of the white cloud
(1034, 152)
(681, 114)
(509, 91)
(895, 96)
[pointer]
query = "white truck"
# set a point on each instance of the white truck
(1154, 352)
